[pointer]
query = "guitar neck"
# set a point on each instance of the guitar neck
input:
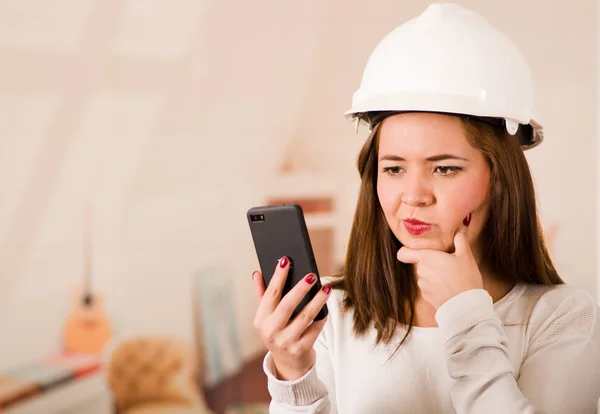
(87, 252)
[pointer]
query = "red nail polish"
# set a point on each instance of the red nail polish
(327, 289)
(283, 262)
(310, 279)
(467, 220)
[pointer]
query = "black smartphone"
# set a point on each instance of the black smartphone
(280, 230)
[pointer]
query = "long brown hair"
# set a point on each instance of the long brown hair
(381, 290)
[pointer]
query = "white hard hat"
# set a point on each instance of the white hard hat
(448, 60)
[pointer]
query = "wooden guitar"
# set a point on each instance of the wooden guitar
(87, 329)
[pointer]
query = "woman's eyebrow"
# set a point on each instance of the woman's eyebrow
(440, 157)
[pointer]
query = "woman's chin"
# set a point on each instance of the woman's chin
(421, 243)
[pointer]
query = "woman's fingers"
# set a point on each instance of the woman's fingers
(259, 284)
(310, 335)
(304, 320)
(272, 294)
(292, 299)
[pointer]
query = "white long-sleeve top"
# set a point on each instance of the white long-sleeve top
(537, 350)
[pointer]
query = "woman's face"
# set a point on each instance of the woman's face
(429, 179)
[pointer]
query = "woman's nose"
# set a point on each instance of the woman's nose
(417, 191)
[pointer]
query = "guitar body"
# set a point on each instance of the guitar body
(87, 329)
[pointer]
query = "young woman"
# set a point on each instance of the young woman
(449, 301)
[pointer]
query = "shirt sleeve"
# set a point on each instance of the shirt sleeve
(313, 393)
(561, 370)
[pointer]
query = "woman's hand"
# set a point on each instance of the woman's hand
(290, 342)
(442, 276)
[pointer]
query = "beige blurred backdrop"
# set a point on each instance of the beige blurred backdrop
(172, 118)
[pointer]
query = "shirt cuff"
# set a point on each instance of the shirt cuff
(302, 391)
(464, 311)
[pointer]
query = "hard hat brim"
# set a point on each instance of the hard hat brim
(531, 138)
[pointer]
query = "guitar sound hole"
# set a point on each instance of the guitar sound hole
(88, 300)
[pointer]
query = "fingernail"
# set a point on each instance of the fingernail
(254, 274)
(283, 262)
(467, 220)
(327, 289)
(310, 279)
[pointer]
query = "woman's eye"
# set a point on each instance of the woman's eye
(445, 171)
(392, 170)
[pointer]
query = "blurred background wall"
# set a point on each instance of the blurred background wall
(172, 118)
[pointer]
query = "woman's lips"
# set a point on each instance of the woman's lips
(416, 227)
